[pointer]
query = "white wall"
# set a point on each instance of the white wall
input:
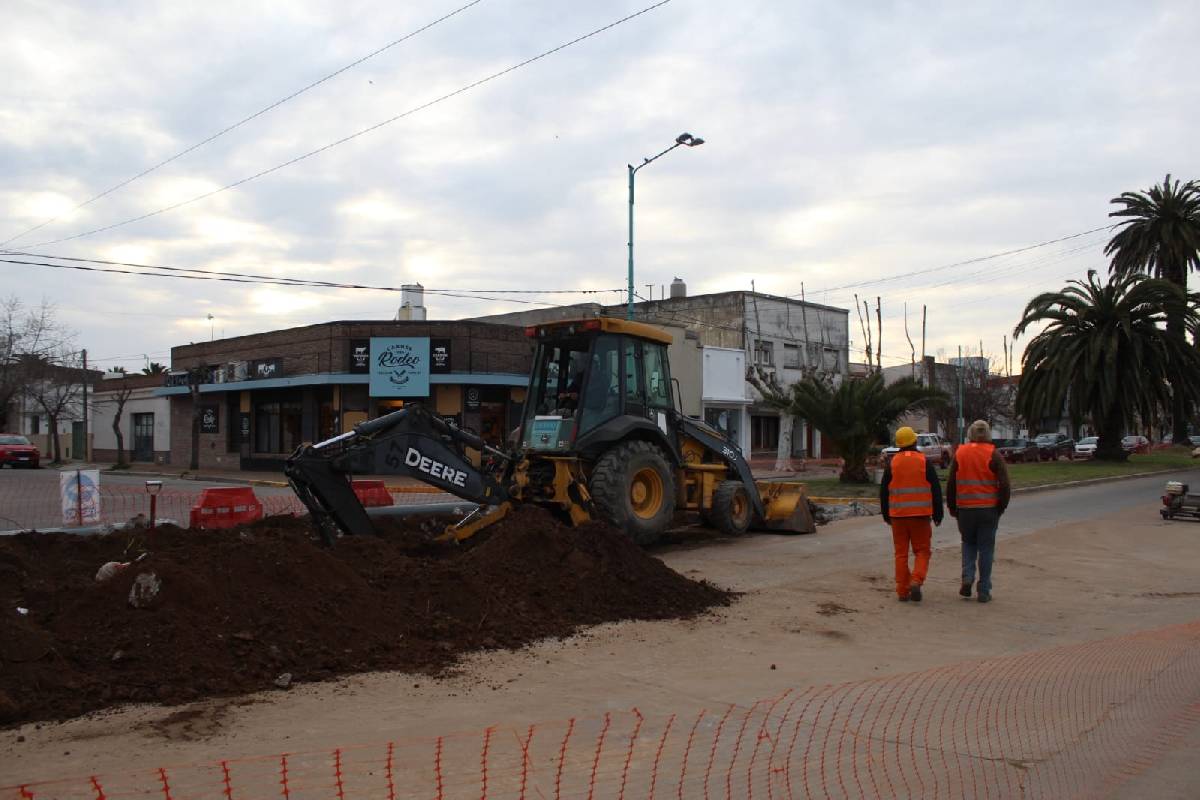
(140, 402)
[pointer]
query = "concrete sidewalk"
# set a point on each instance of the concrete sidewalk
(395, 483)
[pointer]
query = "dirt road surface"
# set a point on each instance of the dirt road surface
(816, 610)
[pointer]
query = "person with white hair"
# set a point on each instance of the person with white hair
(977, 493)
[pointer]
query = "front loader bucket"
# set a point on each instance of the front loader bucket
(787, 507)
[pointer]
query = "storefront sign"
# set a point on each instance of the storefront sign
(265, 368)
(439, 356)
(244, 425)
(471, 398)
(79, 491)
(399, 367)
(360, 356)
(209, 418)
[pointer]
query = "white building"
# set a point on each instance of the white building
(145, 419)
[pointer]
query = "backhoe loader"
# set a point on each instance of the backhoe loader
(601, 438)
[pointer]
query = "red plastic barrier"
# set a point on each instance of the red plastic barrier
(226, 507)
(372, 493)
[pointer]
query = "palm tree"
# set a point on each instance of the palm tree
(1160, 237)
(154, 368)
(1105, 354)
(858, 413)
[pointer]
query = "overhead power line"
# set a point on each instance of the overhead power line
(242, 122)
(364, 131)
(902, 275)
(250, 277)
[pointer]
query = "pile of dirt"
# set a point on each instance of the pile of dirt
(209, 613)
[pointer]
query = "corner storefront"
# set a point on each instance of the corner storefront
(262, 396)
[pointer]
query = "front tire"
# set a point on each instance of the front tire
(731, 511)
(633, 488)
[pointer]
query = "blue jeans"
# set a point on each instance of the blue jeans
(978, 529)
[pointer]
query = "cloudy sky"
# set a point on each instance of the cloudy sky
(847, 145)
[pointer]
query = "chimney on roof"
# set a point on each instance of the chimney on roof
(412, 302)
(678, 288)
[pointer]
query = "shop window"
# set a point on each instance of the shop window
(278, 426)
(764, 433)
(35, 423)
(791, 356)
(726, 421)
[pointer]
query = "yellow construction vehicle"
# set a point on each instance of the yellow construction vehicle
(602, 438)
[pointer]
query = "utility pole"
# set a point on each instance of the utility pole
(879, 336)
(86, 449)
(923, 368)
(912, 347)
(960, 395)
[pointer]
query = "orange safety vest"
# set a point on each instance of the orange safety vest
(909, 493)
(976, 484)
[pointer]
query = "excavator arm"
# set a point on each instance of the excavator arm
(411, 442)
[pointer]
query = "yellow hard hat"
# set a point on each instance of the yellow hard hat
(905, 436)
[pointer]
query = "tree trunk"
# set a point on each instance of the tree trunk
(783, 455)
(1109, 447)
(55, 444)
(854, 463)
(1179, 403)
(116, 428)
(194, 464)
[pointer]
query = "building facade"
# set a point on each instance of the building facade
(261, 396)
(780, 337)
(142, 415)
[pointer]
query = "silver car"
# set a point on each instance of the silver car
(1086, 447)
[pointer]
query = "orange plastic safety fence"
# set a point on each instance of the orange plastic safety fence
(1074, 721)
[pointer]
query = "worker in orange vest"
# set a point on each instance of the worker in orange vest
(910, 497)
(977, 493)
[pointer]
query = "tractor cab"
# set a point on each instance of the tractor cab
(595, 381)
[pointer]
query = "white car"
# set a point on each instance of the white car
(935, 448)
(1086, 447)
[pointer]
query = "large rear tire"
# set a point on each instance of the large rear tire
(633, 488)
(731, 511)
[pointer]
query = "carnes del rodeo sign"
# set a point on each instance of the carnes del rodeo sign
(399, 367)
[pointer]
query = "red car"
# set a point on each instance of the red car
(16, 451)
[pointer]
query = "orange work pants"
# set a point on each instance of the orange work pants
(914, 532)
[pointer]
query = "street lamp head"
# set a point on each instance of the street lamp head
(683, 138)
(696, 142)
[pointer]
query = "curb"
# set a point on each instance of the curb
(1047, 487)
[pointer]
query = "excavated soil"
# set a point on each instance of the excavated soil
(236, 610)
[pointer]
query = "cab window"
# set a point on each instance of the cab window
(601, 391)
(657, 375)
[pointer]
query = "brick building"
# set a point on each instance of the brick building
(263, 395)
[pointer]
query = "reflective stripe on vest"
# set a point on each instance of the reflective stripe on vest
(976, 486)
(909, 493)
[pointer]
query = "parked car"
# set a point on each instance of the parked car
(1052, 446)
(935, 448)
(1192, 441)
(1016, 451)
(1086, 447)
(1135, 444)
(17, 451)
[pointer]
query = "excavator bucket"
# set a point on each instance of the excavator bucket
(787, 508)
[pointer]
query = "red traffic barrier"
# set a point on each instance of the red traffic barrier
(372, 493)
(226, 507)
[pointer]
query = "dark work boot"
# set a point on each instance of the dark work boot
(985, 597)
(914, 593)
(965, 589)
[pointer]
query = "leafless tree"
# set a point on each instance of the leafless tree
(55, 384)
(28, 335)
(117, 399)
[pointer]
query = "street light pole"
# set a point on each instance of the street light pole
(685, 139)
